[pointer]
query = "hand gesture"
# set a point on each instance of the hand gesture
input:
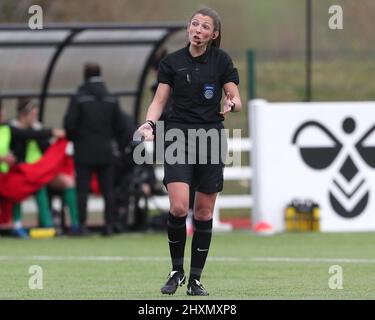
(9, 159)
(146, 131)
(58, 133)
(228, 103)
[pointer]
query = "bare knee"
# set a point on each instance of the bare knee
(179, 208)
(178, 198)
(203, 214)
(62, 182)
(67, 181)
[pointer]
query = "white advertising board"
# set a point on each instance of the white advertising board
(320, 151)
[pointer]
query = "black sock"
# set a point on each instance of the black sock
(177, 240)
(199, 247)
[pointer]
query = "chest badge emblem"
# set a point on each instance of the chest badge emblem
(208, 91)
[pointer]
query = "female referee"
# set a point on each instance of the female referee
(195, 77)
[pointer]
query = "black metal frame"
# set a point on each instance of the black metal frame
(76, 29)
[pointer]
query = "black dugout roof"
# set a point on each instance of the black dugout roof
(48, 63)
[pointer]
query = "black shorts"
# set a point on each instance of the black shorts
(201, 163)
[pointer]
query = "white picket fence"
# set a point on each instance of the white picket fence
(224, 201)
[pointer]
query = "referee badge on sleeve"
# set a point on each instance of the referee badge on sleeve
(208, 91)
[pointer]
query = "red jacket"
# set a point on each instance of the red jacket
(25, 179)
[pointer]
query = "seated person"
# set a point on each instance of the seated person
(30, 151)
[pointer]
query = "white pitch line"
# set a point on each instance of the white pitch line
(82, 258)
(219, 259)
(309, 260)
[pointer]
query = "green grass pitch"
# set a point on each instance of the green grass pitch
(241, 265)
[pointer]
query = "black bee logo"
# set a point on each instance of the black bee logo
(349, 193)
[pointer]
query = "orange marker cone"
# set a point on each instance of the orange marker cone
(263, 228)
